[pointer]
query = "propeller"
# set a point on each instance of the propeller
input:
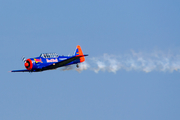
(23, 59)
(27, 63)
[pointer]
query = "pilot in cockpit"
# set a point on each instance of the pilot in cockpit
(44, 55)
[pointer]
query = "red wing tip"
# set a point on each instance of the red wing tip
(9, 71)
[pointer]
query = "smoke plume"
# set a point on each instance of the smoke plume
(133, 61)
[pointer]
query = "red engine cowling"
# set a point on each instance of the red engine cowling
(28, 64)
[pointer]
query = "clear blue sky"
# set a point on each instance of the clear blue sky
(31, 27)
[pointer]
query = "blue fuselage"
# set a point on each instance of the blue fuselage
(40, 62)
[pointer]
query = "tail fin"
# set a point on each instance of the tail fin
(78, 51)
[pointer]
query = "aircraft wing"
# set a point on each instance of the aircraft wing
(62, 63)
(20, 71)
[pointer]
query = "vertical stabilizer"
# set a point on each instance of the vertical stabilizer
(79, 52)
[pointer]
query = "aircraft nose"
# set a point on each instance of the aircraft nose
(26, 64)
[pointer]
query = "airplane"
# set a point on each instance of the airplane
(50, 61)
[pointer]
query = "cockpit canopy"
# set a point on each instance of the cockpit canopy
(49, 55)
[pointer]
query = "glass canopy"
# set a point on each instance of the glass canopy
(49, 55)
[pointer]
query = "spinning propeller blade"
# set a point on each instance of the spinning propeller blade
(23, 59)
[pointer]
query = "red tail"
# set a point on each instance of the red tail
(79, 52)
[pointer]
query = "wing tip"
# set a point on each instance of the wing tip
(18, 71)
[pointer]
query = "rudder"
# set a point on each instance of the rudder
(79, 52)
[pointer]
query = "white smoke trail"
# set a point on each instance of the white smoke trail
(147, 62)
(70, 67)
(83, 66)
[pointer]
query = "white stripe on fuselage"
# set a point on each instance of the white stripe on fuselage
(62, 58)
